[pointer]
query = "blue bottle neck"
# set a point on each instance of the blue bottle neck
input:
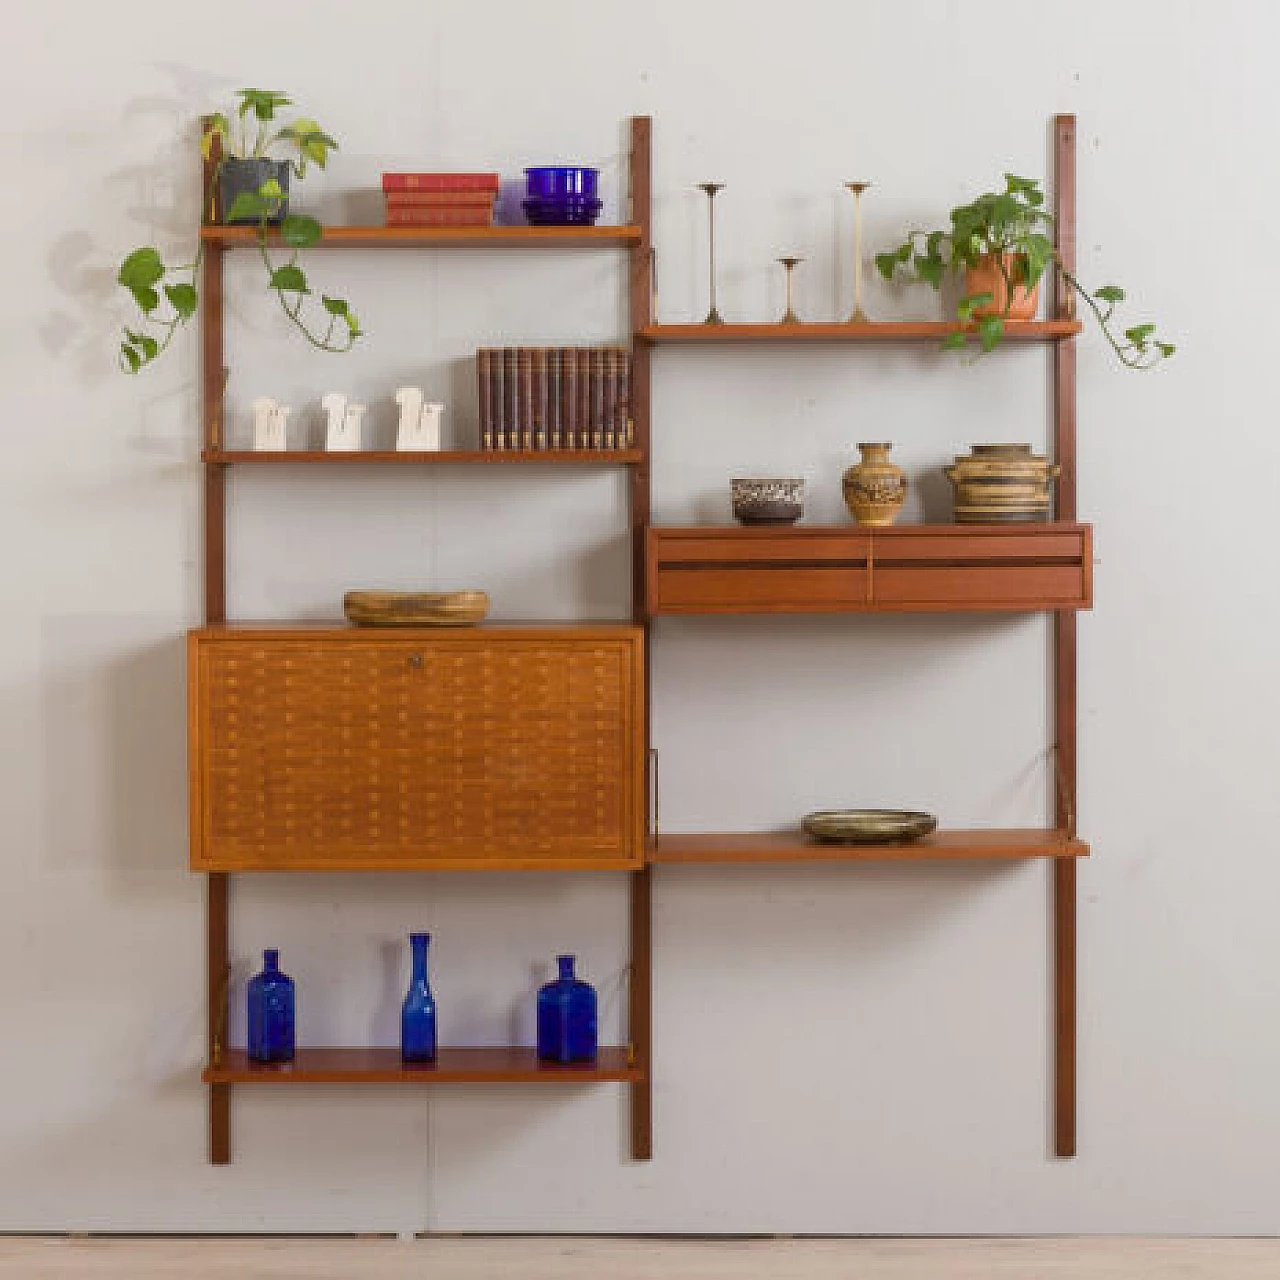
(418, 944)
(566, 968)
(271, 961)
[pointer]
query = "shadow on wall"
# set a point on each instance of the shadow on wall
(114, 747)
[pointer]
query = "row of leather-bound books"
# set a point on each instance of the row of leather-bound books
(554, 397)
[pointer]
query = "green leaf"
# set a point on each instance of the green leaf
(290, 279)
(146, 298)
(271, 190)
(262, 102)
(990, 331)
(141, 269)
(953, 342)
(247, 205)
(930, 270)
(150, 347)
(971, 302)
(1139, 334)
(1110, 293)
(183, 298)
(300, 231)
(334, 306)
(885, 264)
(1166, 349)
(130, 360)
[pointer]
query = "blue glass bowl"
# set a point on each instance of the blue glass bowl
(550, 181)
(561, 213)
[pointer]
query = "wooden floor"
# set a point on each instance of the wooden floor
(616, 1258)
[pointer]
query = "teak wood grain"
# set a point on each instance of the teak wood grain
(429, 458)
(438, 237)
(920, 568)
(998, 844)
(933, 331)
(445, 748)
(380, 1065)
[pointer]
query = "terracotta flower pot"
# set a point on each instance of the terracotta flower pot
(985, 277)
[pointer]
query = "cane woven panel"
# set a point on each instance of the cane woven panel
(479, 749)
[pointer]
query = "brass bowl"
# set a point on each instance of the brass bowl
(415, 608)
(867, 826)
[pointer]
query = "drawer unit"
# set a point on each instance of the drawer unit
(345, 748)
(914, 568)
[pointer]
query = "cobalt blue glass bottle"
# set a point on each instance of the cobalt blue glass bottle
(567, 1017)
(271, 1013)
(418, 1014)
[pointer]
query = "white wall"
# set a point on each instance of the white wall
(836, 1049)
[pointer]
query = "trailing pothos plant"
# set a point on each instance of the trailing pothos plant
(167, 296)
(1011, 230)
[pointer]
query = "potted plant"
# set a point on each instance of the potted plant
(1003, 243)
(245, 184)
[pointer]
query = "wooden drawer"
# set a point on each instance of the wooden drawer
(757, 570)
(344, 748)
(914, 568)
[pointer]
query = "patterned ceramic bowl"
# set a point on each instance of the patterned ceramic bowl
(757, 501)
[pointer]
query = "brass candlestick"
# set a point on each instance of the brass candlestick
(789, 316)
(859, 316)
(713, 316)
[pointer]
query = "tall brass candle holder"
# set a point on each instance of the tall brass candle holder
(713, 316)
(789, 316)
(859, 316)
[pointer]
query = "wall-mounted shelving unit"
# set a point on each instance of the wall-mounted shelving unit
(717, 570)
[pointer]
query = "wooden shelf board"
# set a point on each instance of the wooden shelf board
(997, 844)
(876, 331)
(439, 457)
(440, 237)
(504, 1065)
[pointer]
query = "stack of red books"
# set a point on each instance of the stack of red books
(440, 199)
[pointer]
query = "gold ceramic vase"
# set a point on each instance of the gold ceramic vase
(1001, 484)
(875, 488)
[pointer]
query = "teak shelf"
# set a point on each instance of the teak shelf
(873, 331)
(439, 237)
(502, 1065)
(429, 458)
(339, 672)
(979, 845)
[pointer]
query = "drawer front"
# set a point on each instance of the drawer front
(965, 588)
(748, 588)
(401, 753)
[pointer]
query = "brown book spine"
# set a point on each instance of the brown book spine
(582, 356)
(498, 397)
(524, 397)
(609, 396)
(626, 429)
(484, 397)
(596, 358)
(511, 385)
(568, 398)
(553, 397)
(539, 417)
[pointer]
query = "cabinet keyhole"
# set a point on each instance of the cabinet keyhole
(415, 661)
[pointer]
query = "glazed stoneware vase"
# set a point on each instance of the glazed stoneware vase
(1002, 484)
(875, 488)
(985, 276)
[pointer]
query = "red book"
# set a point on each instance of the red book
(440, 181)
(435, 199)
(439, 217)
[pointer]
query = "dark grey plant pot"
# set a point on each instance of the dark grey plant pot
(248, 175)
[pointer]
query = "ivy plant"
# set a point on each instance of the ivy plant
(1012, 229)
(167, 295)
